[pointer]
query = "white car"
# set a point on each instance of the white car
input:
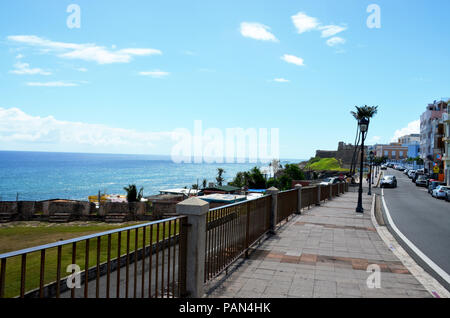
(440, 192)
(328, 181)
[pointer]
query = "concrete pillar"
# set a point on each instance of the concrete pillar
(299, 198)
(195, 209)
(338, 189)
(331, 191)
(273, 215)
(318, 194)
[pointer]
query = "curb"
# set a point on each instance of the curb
(430, 284)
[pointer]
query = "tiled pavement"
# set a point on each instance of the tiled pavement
(324, 252)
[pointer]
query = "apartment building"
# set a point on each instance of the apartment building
(431, 137)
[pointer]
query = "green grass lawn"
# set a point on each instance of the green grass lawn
(326, 164)
(19, 237)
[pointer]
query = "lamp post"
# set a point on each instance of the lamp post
(370, 173)
(363, 127)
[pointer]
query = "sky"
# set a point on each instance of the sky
(121, 76)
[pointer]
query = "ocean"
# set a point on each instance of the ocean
(38, 176)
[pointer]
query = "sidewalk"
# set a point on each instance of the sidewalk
(324, 252)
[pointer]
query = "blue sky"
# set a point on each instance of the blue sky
(140, 69)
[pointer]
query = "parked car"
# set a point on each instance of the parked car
(422, 181)
(411, 173)
(406, 171)
(416, 175)
(388, 181)
(447, 195)
(440, 192)
(383, 167)
(433, 185)
(330, 180)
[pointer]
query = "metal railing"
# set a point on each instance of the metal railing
(309, 196)
(324, 193)
(287, 204)
(157, 251)
(231, 230)
(149, 260)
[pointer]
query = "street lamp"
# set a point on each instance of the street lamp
(370, 173)
(363, 127)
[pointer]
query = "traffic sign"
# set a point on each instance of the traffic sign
(436, 169)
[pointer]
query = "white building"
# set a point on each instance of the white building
(446, 157)
(429, 126)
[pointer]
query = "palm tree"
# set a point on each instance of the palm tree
(219, 178)
(366, 112)
(204, 183)
(132, 194)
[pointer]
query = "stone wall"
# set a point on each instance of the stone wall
(132, 208)
(73, 210)
(344, 154)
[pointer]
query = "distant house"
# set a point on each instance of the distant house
(185, 192)
(226, 189)
(218, 199)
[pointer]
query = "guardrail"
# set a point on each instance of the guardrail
(37, 272)
(231, 230)
(171, 258)
(287, 204)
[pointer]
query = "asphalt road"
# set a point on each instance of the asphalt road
(424, 220)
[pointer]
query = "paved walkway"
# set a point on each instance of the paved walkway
(324, 252)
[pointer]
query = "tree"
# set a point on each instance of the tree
(219, 178)
(195, 186)
(204, 183)
(284, 181)
(253, 179)
(366, 112)
(132, 194)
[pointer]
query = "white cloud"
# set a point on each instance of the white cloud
(257, 31)
(24, 69)
(87, 52)
(154, 74)
(330, 30)
(281, 80)
(52, 84)
(335, 41)
(81, 69)
(20, 128)
(293, 59)
(412, 128)
(304, 23)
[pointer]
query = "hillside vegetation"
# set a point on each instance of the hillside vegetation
(321, 164)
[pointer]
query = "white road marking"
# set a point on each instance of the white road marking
(425, 258)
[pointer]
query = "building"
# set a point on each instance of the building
(216, 200)
(344, 153)
(225, 189)
(446, 140)
(393, 151)
(409, 139)
(431, 137)
(412, 142)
